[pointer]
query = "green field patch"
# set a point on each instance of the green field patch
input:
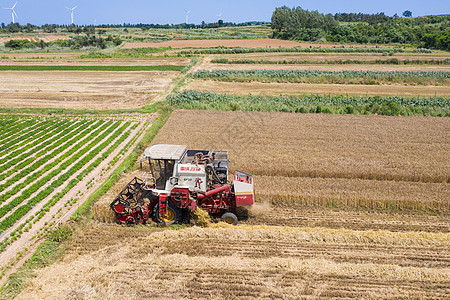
(392, 106)
(335, 77)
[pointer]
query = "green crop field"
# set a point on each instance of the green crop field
(432, 106)
(341, 77)
(43, 158)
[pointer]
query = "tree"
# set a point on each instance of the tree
(407, 14)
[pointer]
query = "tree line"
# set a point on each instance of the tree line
(431, 32)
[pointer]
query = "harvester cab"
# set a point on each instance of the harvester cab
(179, 179)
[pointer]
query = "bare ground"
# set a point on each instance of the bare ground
(295, 89)
(81, 89)
(73, 60)
(207, 65)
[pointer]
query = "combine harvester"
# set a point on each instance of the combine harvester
(182, 180)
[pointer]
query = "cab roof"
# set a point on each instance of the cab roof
(164, 151)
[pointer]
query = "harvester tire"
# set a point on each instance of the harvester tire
(130, 221)
(173, 214)
(229, 218)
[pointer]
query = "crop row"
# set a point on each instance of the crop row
(68, 141)
(365, 77)
(27, 141)
(240, 50)
(73, 153)
(29, 153)
(434, 106)
(26, 137)
(11, 131)
(39, 214)
(77, 162)
(8, 125)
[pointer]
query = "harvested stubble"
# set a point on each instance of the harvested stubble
(250, 262)
(398, 155)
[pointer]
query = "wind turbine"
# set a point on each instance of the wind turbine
(218, 17)
(13, 12)
(71, 12)
(187, 15)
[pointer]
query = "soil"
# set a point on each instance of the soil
(81, 89)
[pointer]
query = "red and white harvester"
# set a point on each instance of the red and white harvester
(179, 180)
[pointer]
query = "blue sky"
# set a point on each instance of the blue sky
(172, 11)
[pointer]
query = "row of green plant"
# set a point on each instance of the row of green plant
(18, 137)
(338, 77)
(432, 106)
(190, 65)
(53, 247)
(29, 138)
(24, 164)
(89, 68)
(9, 126)
(72, 155)
(25, 226)
(45, 143)
(390, 61)
(79, 161)
(241, 50)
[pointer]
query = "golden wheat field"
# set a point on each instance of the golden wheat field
(343, 160)
(347, 207)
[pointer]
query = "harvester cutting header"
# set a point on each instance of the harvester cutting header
(180, 180)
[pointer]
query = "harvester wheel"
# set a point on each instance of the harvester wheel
(173, 214)
(229, 218)
(130, 221)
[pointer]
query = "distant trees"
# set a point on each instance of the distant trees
(297, 23)
(407, 14)
(300, 24)
(75, 42)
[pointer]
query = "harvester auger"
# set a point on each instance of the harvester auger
(179, 180)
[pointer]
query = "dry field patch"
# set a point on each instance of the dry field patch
(371, 152)
(75, 61)
(297, 89)
(311, 56)
(81, 89)
(248, 262)
(323, 67)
